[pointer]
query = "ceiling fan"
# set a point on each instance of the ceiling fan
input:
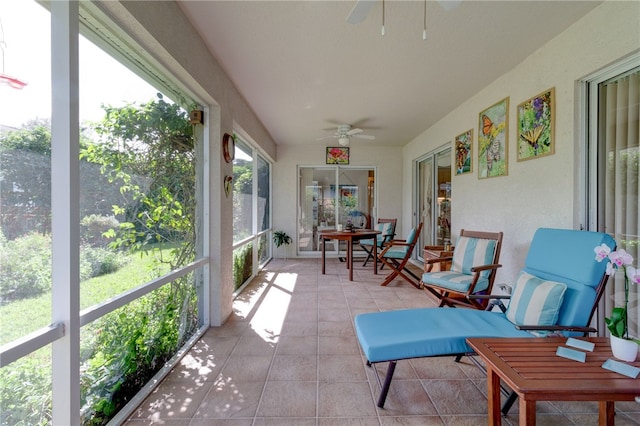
(345, 132)
(362, 7)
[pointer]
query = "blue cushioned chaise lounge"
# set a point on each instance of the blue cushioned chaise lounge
(557, 290)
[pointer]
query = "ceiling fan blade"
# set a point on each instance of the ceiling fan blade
(364, 137)
(360, 11)
(449, 4)
(354, 132)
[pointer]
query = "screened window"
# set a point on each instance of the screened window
(136, 189)
(251, 212)
(25, 207)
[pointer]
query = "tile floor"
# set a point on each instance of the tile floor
(289, 356)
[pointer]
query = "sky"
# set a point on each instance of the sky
(26, 27)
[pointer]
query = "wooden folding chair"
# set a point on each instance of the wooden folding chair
(387, 227)
(474, 264)
(397, 253)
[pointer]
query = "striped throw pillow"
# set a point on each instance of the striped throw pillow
(535, 301)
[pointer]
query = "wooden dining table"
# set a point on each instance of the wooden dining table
(349, 237)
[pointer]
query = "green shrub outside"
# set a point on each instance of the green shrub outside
(25, 265)
(119, 354)
(25, 390)
(94, 227)
(128, 346)
(242, 265)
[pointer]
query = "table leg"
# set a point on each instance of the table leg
(527, 412)
(493, 382)
(322, 242)
(606, 413)
(375, 256)
(350, 258)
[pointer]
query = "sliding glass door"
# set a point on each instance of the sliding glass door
(433, 198)
(614, 192)
(331, 195)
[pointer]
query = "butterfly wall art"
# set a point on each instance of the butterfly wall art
(493, 137)
(463, 146)
(536, 126)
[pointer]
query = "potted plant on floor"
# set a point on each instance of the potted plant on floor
(281, 238)
(622, 346)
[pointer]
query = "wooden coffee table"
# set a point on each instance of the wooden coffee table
(532, 369)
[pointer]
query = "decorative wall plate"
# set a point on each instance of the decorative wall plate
(228, 147)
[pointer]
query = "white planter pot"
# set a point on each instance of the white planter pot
(625, 350)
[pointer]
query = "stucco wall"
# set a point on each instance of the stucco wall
(542, 192)
(386, 160)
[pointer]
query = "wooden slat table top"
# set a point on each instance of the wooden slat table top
(531, 367)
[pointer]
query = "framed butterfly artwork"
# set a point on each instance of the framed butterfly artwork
(536, 126)
(463, 146)
(493, 140)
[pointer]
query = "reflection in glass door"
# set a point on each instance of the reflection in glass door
(321, 189)
(433, 198)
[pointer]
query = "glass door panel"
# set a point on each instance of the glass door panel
(443, 227)
(434, 199)
(321, 189)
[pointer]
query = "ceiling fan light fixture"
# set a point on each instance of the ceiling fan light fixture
(424, 22)
(343, 140)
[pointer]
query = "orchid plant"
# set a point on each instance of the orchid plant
(619, 260)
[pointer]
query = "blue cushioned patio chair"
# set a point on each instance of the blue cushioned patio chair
(387, 228)
(474, 264)
(557, 291)
(397, 253)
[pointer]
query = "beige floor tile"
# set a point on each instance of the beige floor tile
(288, 355)
(455, 397)
(246, 368)
(407, 397)
(299, 328)
(336, 328)
(340, 368)
(338, 345)
(228, 399)
(298, 345)
(173, 400)
(294, 367)
(288, 399)
(345, 399)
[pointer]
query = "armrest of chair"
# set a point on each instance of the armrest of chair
(428, 263)
(391, 244)
(477, 269)
(439, 259)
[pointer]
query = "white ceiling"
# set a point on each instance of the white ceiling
(304, 69)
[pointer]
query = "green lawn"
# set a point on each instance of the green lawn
(27, 315)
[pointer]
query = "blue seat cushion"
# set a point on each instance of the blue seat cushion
(400, 252)
(423, 332)
(455, 281)
(385, 231)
